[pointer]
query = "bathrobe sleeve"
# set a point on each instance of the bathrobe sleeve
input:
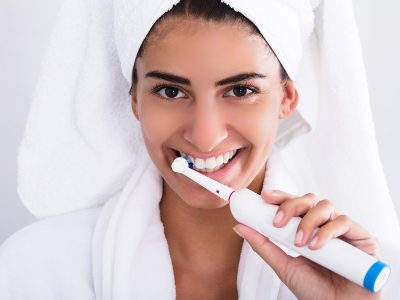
(50, 259)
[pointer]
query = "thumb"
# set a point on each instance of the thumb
(274, 256)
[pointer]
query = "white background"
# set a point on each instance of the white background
(25, 27)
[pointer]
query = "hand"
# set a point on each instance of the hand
(304, 278)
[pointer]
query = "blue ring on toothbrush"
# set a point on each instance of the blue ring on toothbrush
(372, 275)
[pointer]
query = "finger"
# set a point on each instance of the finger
(294, 207)
(274, 256)
(348, 230)
(335, 228)
(320, 214)
(276, 196)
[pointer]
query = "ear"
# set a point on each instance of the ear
(134, 103)
(289, 101)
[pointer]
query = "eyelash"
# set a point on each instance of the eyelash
(254, 90)
(156, 89)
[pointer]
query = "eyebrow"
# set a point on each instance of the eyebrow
(182, 80)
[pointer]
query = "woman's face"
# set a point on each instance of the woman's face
(207, 89)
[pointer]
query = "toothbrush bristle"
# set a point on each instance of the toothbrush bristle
(188, 159)
(190, 162)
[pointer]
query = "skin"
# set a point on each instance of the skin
(206, 118)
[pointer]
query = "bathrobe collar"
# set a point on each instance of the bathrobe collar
(131, 259)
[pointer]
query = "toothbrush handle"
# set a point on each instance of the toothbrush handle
(336, 255)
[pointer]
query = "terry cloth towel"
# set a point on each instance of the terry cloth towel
(82, 142)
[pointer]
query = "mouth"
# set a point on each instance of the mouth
(212, 164)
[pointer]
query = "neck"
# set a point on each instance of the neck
(195, 235)
(202, 240)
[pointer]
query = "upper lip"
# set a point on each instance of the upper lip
(208, 154)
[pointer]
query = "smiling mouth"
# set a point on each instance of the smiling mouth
(211, 164)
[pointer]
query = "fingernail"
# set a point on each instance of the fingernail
(299, 237)
(278, 217)
(314, 241)
(238, 233)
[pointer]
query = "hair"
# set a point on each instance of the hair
(206, 10)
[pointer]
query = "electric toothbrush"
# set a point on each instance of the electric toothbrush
(250, 209)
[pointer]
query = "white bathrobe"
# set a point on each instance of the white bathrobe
(70, 256)
(58, 257)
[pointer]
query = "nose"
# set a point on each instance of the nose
(207, 128)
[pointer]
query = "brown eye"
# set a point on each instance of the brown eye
(240, 91)
(171, 92)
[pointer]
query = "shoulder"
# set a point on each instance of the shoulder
(48, 254)
(65, 232)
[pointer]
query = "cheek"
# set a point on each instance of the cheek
(258, 123)
(157, 123)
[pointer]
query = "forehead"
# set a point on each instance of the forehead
(185, 45)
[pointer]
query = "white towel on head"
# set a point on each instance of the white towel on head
(135, 19)
(82, 142)
(81, 139)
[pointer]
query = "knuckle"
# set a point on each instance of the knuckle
(286, 206)
(285, 273)
(345, 220)
(325, 204)
(259, 245)
(310, 195)
(305, 225)
(324, 232)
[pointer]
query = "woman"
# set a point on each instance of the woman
(205, 83)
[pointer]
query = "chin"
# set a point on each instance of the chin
(211, 202)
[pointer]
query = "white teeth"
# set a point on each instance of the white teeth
(210, 164)
(226, 157)
(220, 160)
(199, 163)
